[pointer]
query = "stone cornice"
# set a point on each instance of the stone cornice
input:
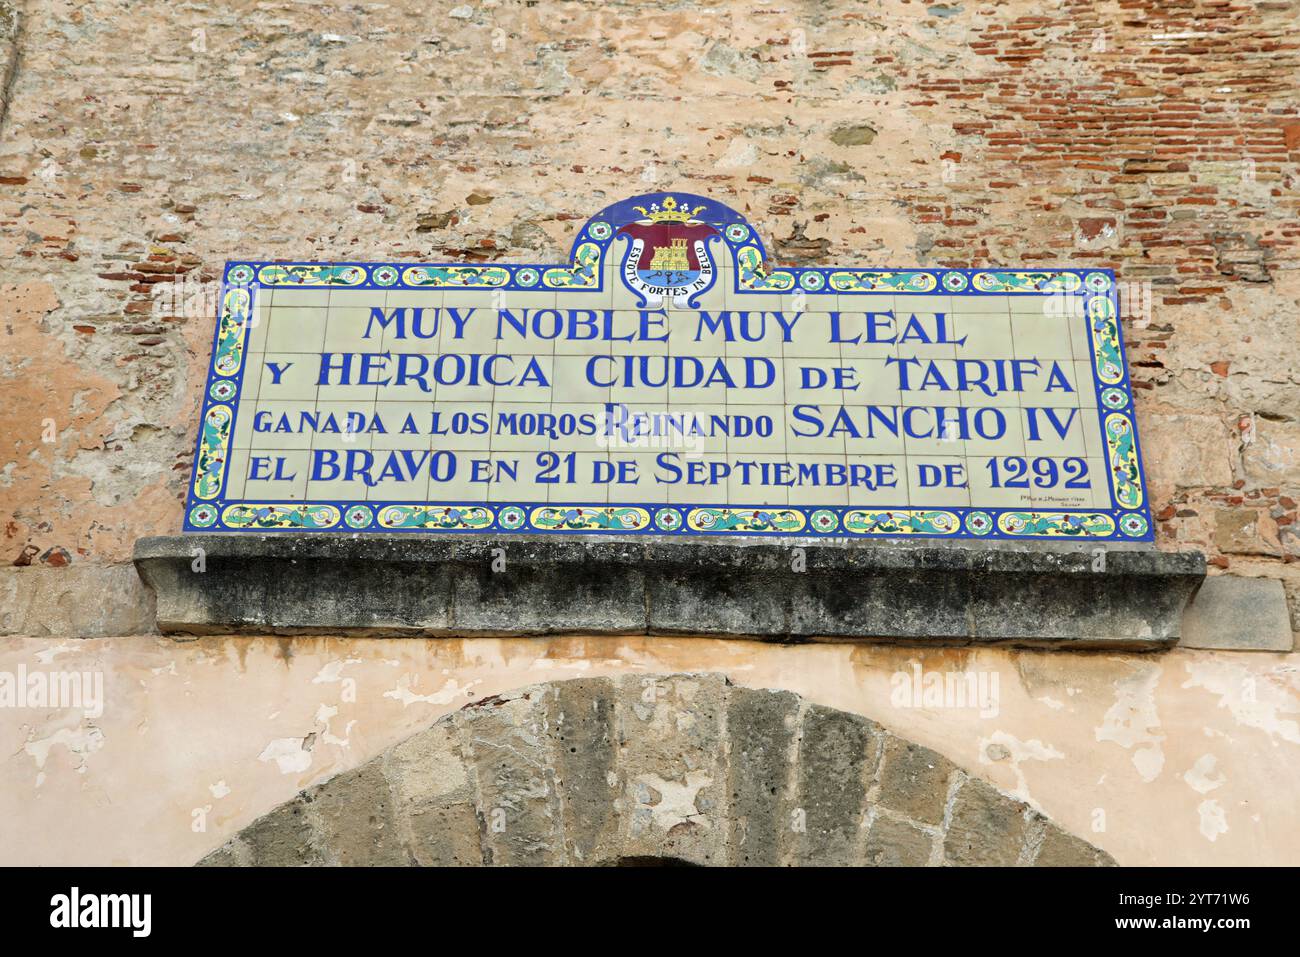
(444, 585)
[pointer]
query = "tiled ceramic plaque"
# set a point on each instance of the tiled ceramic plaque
(669, 380)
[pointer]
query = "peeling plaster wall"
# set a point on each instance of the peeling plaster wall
(142, 143)
(1182, 758)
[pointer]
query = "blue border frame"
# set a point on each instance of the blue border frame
(751, 275)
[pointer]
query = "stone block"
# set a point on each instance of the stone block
(893, 843)
(1186, 451)
(1238, 614)
(572, 586)
(762, 728)
(509, 744)
(79, 601)
(986, 829)
(654, 769)
(1062, 849)
(284, 838)
(582, 716)
(355, 819)
(672, 771)
(1273, 458)
(444, 834)
(914, 781)
(838, 756)
(1247, 531)
(702, 589)
(434, 799)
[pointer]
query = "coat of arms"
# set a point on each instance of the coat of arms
(668, 254)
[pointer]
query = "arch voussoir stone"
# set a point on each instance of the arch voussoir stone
(686, 768)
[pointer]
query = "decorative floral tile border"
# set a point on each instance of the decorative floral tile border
(1128, 518)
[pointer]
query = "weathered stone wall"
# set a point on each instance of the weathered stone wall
(144, 142)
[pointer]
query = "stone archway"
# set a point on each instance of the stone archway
(643, 769)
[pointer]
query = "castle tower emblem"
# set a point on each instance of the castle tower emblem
(668, 253)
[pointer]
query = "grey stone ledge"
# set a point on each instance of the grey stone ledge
(444, 585)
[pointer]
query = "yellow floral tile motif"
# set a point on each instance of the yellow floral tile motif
(228, 357)
(436, 517)
(752, 274)
(764, 520)
(1124, 476)
(869, 280)
(590, 518)
(583, 274)
(301, 515)
(1105, 339)
(210, 464)
(1025, 281)
(1057, 524)
(901, 522)
(462, 277)
(310, 275)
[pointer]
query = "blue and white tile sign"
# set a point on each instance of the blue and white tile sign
(668, 380)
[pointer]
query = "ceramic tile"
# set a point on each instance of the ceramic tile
(520, 426)
(689, 335)
(690, 480)
(513, 478)
(643, 485)
(353, 330)
(747, 430)
(583, 427)
(818, 479)
(810, 336)
(400, 425)
(699, 428)
(781, 399)
(369, 298)
(572, 383)
(289, 376)
(993, 304)
(411, 485)
(466, 333)
(282, 298)
(983, 335)
(759, 380)
(992, 431)
(259, 323)
(459, 425)
(984, 493)
(866, 334)
(647, 327)
(938, 481)
(238, 471)
(866, 429)
(276, 425)
(877, 481)
(584, 479)
(755, 481)
(276, 475)
(1035, 336)
(296, 330)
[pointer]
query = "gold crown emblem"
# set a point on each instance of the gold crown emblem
(669, 213)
